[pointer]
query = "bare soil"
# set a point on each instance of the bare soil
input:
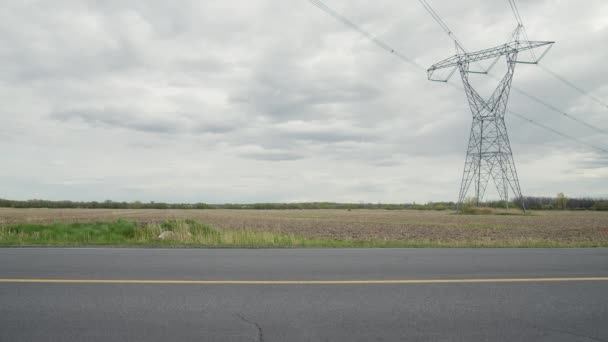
(402, 225)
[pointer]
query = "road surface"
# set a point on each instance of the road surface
(106, 294)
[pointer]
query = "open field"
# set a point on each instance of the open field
(380, 227)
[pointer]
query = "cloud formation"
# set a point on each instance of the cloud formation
(231, 101)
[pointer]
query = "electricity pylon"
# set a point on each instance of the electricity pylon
(489, 153)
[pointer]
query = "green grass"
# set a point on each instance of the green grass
(68, 233)
(195, 234)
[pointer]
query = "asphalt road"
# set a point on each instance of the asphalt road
(534, 308)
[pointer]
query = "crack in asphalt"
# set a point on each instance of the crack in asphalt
(545, 328)
(576, 334)
(260, 332)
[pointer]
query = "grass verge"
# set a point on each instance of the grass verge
(190, 233)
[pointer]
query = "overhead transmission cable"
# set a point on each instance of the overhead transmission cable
(555, 109)
(573, 86)
(366, 34)
(449, 32)
(441, 23)
(552, 107)
(515, 10)
(605, 150)
(521, 24)
(319, 4)
(517, 16)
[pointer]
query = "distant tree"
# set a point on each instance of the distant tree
(561, 201)
(601, 205)
(534, 203)
(470, 202)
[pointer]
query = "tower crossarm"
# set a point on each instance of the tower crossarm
(471, 57)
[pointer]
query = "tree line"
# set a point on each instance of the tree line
(108, 204)
(560, 202)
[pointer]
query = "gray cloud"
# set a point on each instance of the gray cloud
(116, 118)
(260, 153)
(276, 101)
(166, 123)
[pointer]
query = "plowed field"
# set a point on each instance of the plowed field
(569, 227)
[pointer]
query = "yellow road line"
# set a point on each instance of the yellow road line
(300, 282)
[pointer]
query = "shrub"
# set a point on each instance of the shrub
(477, 211)
(600, 206)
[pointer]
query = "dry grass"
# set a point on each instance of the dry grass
(568, 228)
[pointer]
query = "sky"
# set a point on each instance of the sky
(226, 101)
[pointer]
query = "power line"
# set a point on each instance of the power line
(405, 58)
(557, 132)
(363, 32)
(552, 107)
(519, 20)
(555, 109)
(515, 10)
(449, 32)
(441, 23)
(538, 124)
(573, 86)
(517, 15)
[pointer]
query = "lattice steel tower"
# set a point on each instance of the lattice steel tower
(489, 153)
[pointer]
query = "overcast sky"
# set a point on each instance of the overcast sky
(275, 101)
